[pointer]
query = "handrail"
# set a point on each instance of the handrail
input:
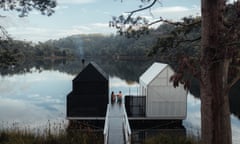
(106, 126)
(126, 126)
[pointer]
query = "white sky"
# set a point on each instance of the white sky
(88, 16)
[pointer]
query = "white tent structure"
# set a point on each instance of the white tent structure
(163, 101)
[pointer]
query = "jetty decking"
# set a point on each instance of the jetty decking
(116, 129)
(115, 125)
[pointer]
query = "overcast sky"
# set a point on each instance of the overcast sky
(88, 16)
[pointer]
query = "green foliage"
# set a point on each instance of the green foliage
(101, 46)
(23, 7)
(182, 38)
(14, 52)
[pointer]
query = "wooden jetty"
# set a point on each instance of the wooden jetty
(164, 109)
(116, 129)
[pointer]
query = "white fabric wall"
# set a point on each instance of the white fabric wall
(163, 100)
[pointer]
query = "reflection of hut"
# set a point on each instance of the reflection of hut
(163, 101)
(89, 98)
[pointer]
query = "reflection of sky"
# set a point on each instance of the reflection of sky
(235, 122)
(193, 120)
(116, 84)
(34, 98)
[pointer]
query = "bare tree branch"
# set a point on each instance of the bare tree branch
(233, 43)
(4, 34)
(174, 23)
(236, 79)
(138, 10)
(187, 40)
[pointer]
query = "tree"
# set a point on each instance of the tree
(23, 7)
(218, 63)
(215, 112)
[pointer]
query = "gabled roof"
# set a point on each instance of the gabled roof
(100, 70)
(152, 72)
(92, 72)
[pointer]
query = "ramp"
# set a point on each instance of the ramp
(116, 129)
(116, 124)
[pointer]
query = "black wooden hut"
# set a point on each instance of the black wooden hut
(89, 96)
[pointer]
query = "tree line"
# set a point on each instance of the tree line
(116, 46)
(93, 45)
(13, 52)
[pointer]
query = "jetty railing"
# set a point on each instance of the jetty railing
(126, 126)
(106, 126)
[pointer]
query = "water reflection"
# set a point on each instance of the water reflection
(193, 120)
(32, 96)
(116, 84)
(127, 70)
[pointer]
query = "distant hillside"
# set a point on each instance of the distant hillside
(98, 45)
(119, 46)
(101, 45)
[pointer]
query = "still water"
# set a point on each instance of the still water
(34, 98)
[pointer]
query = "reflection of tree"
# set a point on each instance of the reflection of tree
(62, 65)
(234, 97)
(130, 71)
(127, 70)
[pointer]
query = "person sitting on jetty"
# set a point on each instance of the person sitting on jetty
(113, 97)
(119, 96)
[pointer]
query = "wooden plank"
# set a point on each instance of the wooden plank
(116, 125)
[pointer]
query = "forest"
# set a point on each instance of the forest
(214, 61)
(116, 46)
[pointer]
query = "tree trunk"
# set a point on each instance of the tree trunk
(215, 113)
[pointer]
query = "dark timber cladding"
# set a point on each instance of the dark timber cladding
(89, 97)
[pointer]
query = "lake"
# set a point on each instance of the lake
(32, 96)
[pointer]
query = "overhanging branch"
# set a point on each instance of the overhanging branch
(4, 34)
(174, 23)
(236, 79)
(187, 40)
(233, 43)
(138, 10)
